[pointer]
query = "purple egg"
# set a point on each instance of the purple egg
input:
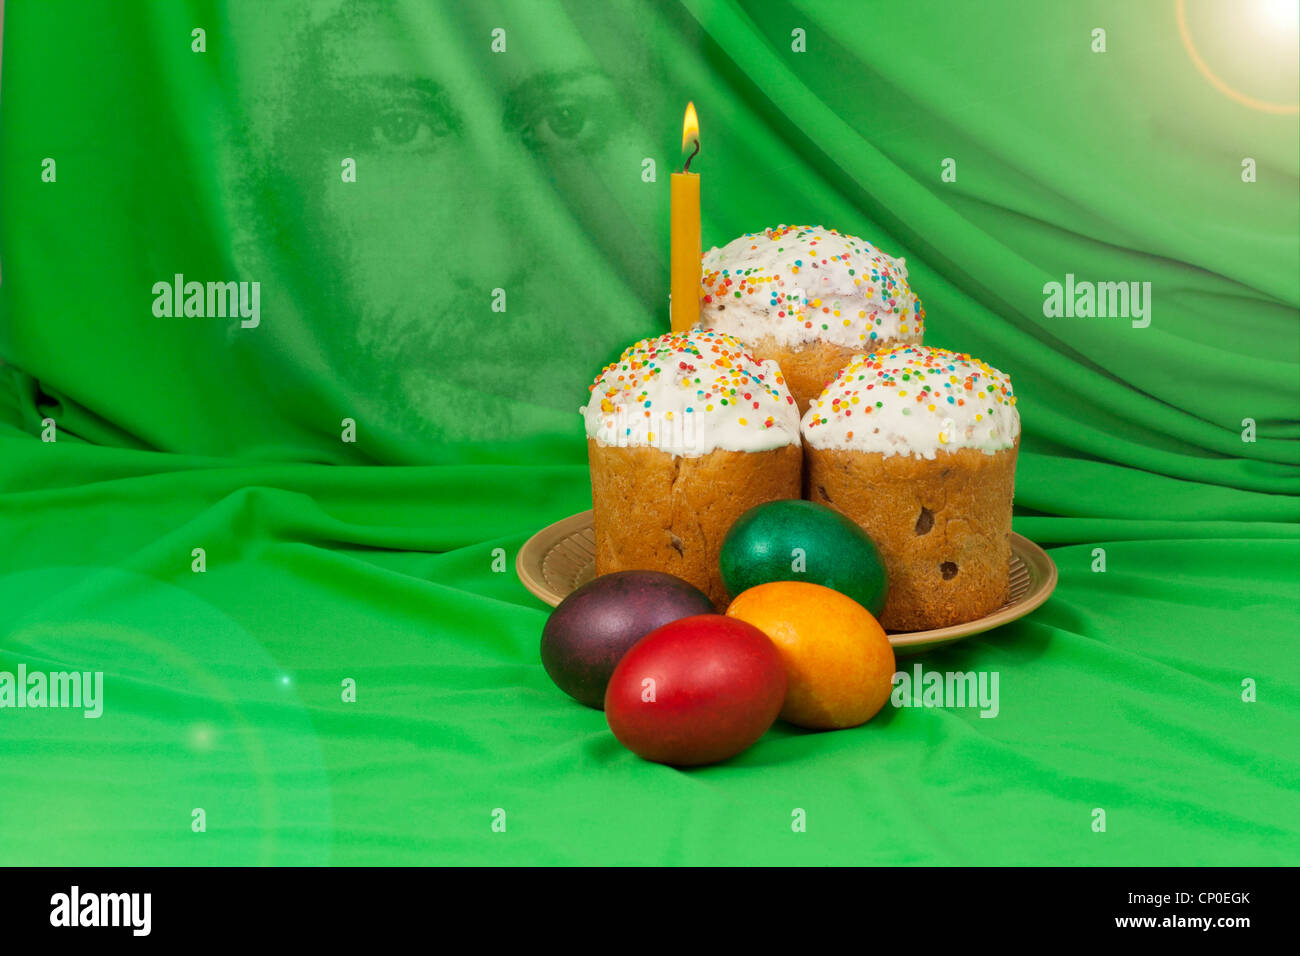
(588, 634)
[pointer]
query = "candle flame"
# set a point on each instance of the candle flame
(690, 126)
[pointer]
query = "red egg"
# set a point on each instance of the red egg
(696, 691)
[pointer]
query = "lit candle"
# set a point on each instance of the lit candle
(686, 268)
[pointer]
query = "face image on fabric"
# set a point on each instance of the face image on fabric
(451, 234)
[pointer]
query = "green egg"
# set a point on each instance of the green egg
(803, 541)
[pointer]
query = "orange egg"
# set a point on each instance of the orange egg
(839, 664)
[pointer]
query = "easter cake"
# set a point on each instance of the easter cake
(918, 446)
(809, 298)
(685, 433)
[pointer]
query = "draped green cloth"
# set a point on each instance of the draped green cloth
(286, 536)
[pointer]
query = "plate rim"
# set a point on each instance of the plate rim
(529, 563)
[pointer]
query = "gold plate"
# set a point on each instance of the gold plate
(560, 558)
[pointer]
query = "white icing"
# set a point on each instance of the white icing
(801, 284)
(915, 400)
(689, 394)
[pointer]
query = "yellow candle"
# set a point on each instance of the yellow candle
(686, 268)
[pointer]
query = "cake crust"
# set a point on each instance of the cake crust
(656, 511)
(808, 368)
(943, 526)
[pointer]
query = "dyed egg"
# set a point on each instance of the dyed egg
(588, 634)
(696, 691)
(839, 664)
(803, 541)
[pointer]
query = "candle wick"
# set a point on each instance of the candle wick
(694, 153)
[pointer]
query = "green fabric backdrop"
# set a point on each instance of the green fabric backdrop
(525, 171)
